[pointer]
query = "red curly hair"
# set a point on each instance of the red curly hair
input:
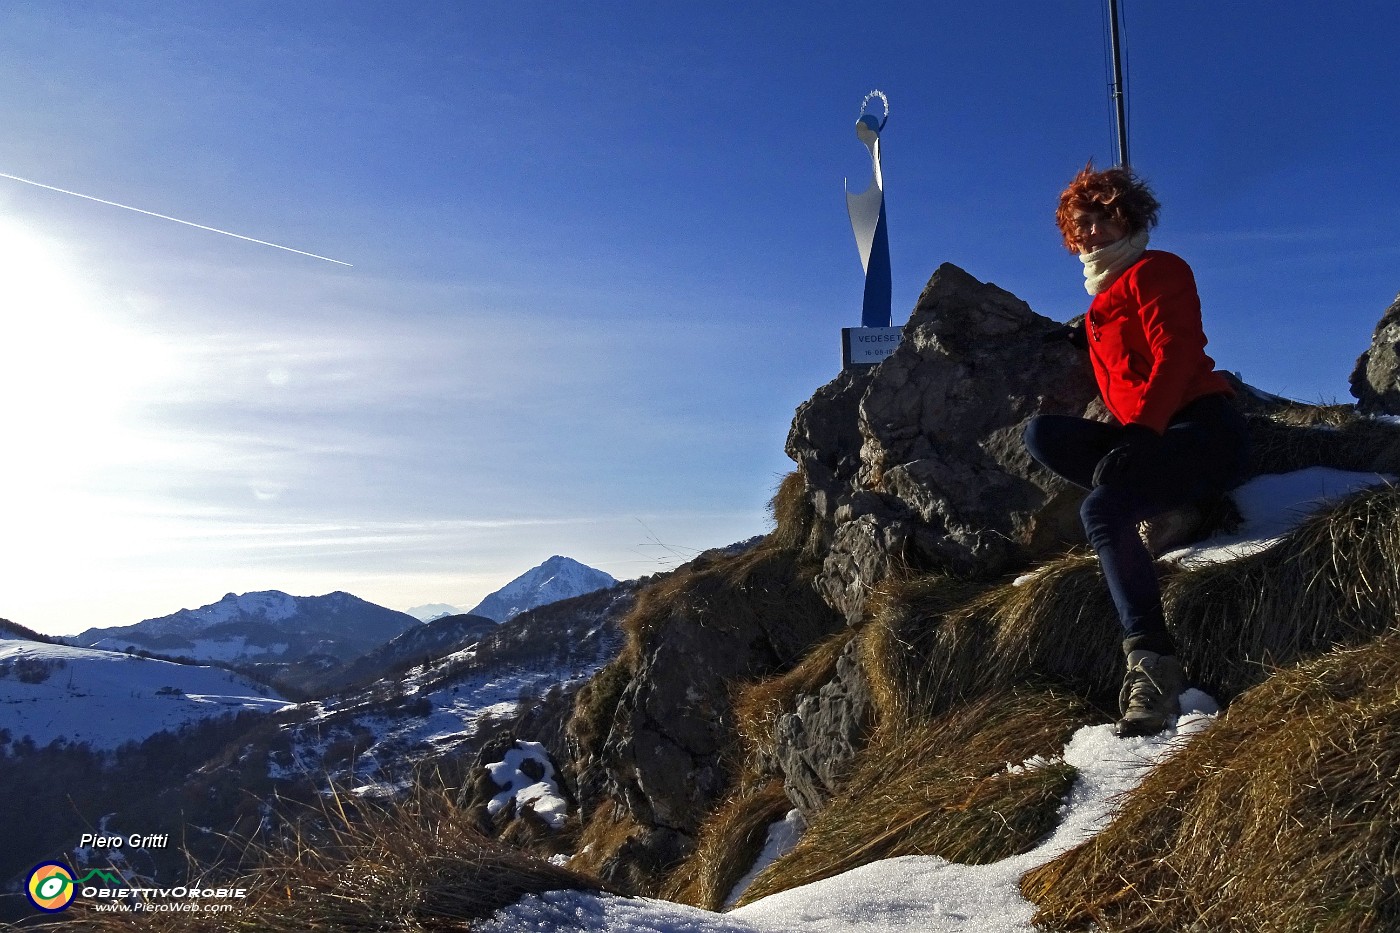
(1117, 192)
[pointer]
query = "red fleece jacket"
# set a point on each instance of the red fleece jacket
(1147, 345)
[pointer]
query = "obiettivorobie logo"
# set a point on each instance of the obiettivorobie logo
(52, 887)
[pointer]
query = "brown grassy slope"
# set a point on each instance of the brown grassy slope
(939, 650)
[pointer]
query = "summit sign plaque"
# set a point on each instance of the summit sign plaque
(867, 346)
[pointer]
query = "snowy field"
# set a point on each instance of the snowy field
(919, 894)
(105, 698)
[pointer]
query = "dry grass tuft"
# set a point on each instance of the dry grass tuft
(920, 628)
(794, 519)
(942, 787)
(609, 830)
(1284, 816)
(1336, 436)
(935, 642)
(767, 588)
(1323, 414)
(731, 839)
(417, 865)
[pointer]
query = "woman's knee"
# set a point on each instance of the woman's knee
(1045, 438)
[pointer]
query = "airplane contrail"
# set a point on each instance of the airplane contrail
(187, 223)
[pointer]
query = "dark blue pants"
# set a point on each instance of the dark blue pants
(1204, 453)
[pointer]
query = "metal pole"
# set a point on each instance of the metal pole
(1119, 102)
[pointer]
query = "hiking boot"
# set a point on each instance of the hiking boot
(1151, 694)
(1172, 529)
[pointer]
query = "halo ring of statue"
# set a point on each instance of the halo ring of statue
(884, 100)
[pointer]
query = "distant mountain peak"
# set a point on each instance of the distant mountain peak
(555, 579)
(260, 625)
(432, 611)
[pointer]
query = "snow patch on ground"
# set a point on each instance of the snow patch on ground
(783, 836)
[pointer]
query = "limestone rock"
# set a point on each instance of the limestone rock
(1376, 380)
(825, 440)
(816, 743)
(919, 462)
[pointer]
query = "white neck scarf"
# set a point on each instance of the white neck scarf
(1103, 266)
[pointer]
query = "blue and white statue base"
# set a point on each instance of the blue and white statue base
(875, 339)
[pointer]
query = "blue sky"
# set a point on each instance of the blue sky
(599, 256)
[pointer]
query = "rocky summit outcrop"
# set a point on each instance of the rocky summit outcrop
(768, 669)
(1376, 380)
(919, 463)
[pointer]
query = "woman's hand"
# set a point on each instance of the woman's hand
(1140, 445)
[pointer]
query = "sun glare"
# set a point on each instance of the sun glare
(71, 374)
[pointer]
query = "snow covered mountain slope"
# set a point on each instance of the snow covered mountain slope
(266, 626)
(442, 707)
(104, 698)
(557, 578)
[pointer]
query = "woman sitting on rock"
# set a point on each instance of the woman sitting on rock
(1178, 439)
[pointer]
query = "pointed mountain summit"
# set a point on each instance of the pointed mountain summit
(557, 578)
